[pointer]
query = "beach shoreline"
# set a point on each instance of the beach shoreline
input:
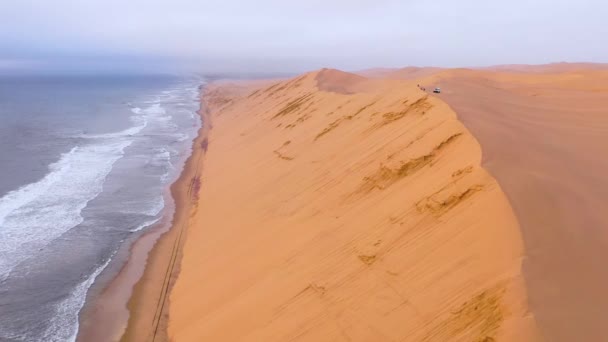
(122, 309)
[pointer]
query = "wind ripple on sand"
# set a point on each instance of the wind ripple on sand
(333, 210)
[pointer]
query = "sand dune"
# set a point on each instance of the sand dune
(544, 136)
(337, 208)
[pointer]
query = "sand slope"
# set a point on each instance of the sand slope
(337, 208)
(544, 134)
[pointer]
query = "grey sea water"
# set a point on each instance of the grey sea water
(84, 162)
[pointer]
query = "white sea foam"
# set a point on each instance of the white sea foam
(141, 118)
(156, 207)
(35, 214)
(64, 324)
(145, 225)
(181, 136)
(155, 109)
(141, 123)
(164, 157)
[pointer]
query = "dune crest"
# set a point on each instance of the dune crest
(542, 132)
(337, 81)
(335, 208)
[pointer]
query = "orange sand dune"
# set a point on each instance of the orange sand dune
(544, 137)
(336, 208)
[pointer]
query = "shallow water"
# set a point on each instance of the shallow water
(84, 162)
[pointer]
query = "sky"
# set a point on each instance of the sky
(294, 36)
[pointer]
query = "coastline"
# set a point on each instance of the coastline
(130, 300)
(122, 310)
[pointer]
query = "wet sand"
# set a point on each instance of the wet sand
(544, 135)
(107, 314)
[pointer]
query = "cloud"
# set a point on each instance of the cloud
(271, 34)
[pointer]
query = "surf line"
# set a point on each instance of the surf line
(192, 198)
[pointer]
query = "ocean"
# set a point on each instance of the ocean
(84, 164)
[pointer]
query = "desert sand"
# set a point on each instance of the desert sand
(334, 207)
(544, 134)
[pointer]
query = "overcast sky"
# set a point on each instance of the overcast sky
(283, 35)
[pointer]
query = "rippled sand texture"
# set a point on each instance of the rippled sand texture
(333, 207)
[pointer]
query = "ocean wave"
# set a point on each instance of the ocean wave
(156, 207)
(155, 109)
(153, 112)
(36, 217)
(36, 214)
(64, 324)
(181, 136)
(149, 208)
(145, 225)
(129, 132)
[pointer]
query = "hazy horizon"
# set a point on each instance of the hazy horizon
(276, 36)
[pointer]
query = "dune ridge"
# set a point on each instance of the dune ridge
(336, 207)
(543, 130)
